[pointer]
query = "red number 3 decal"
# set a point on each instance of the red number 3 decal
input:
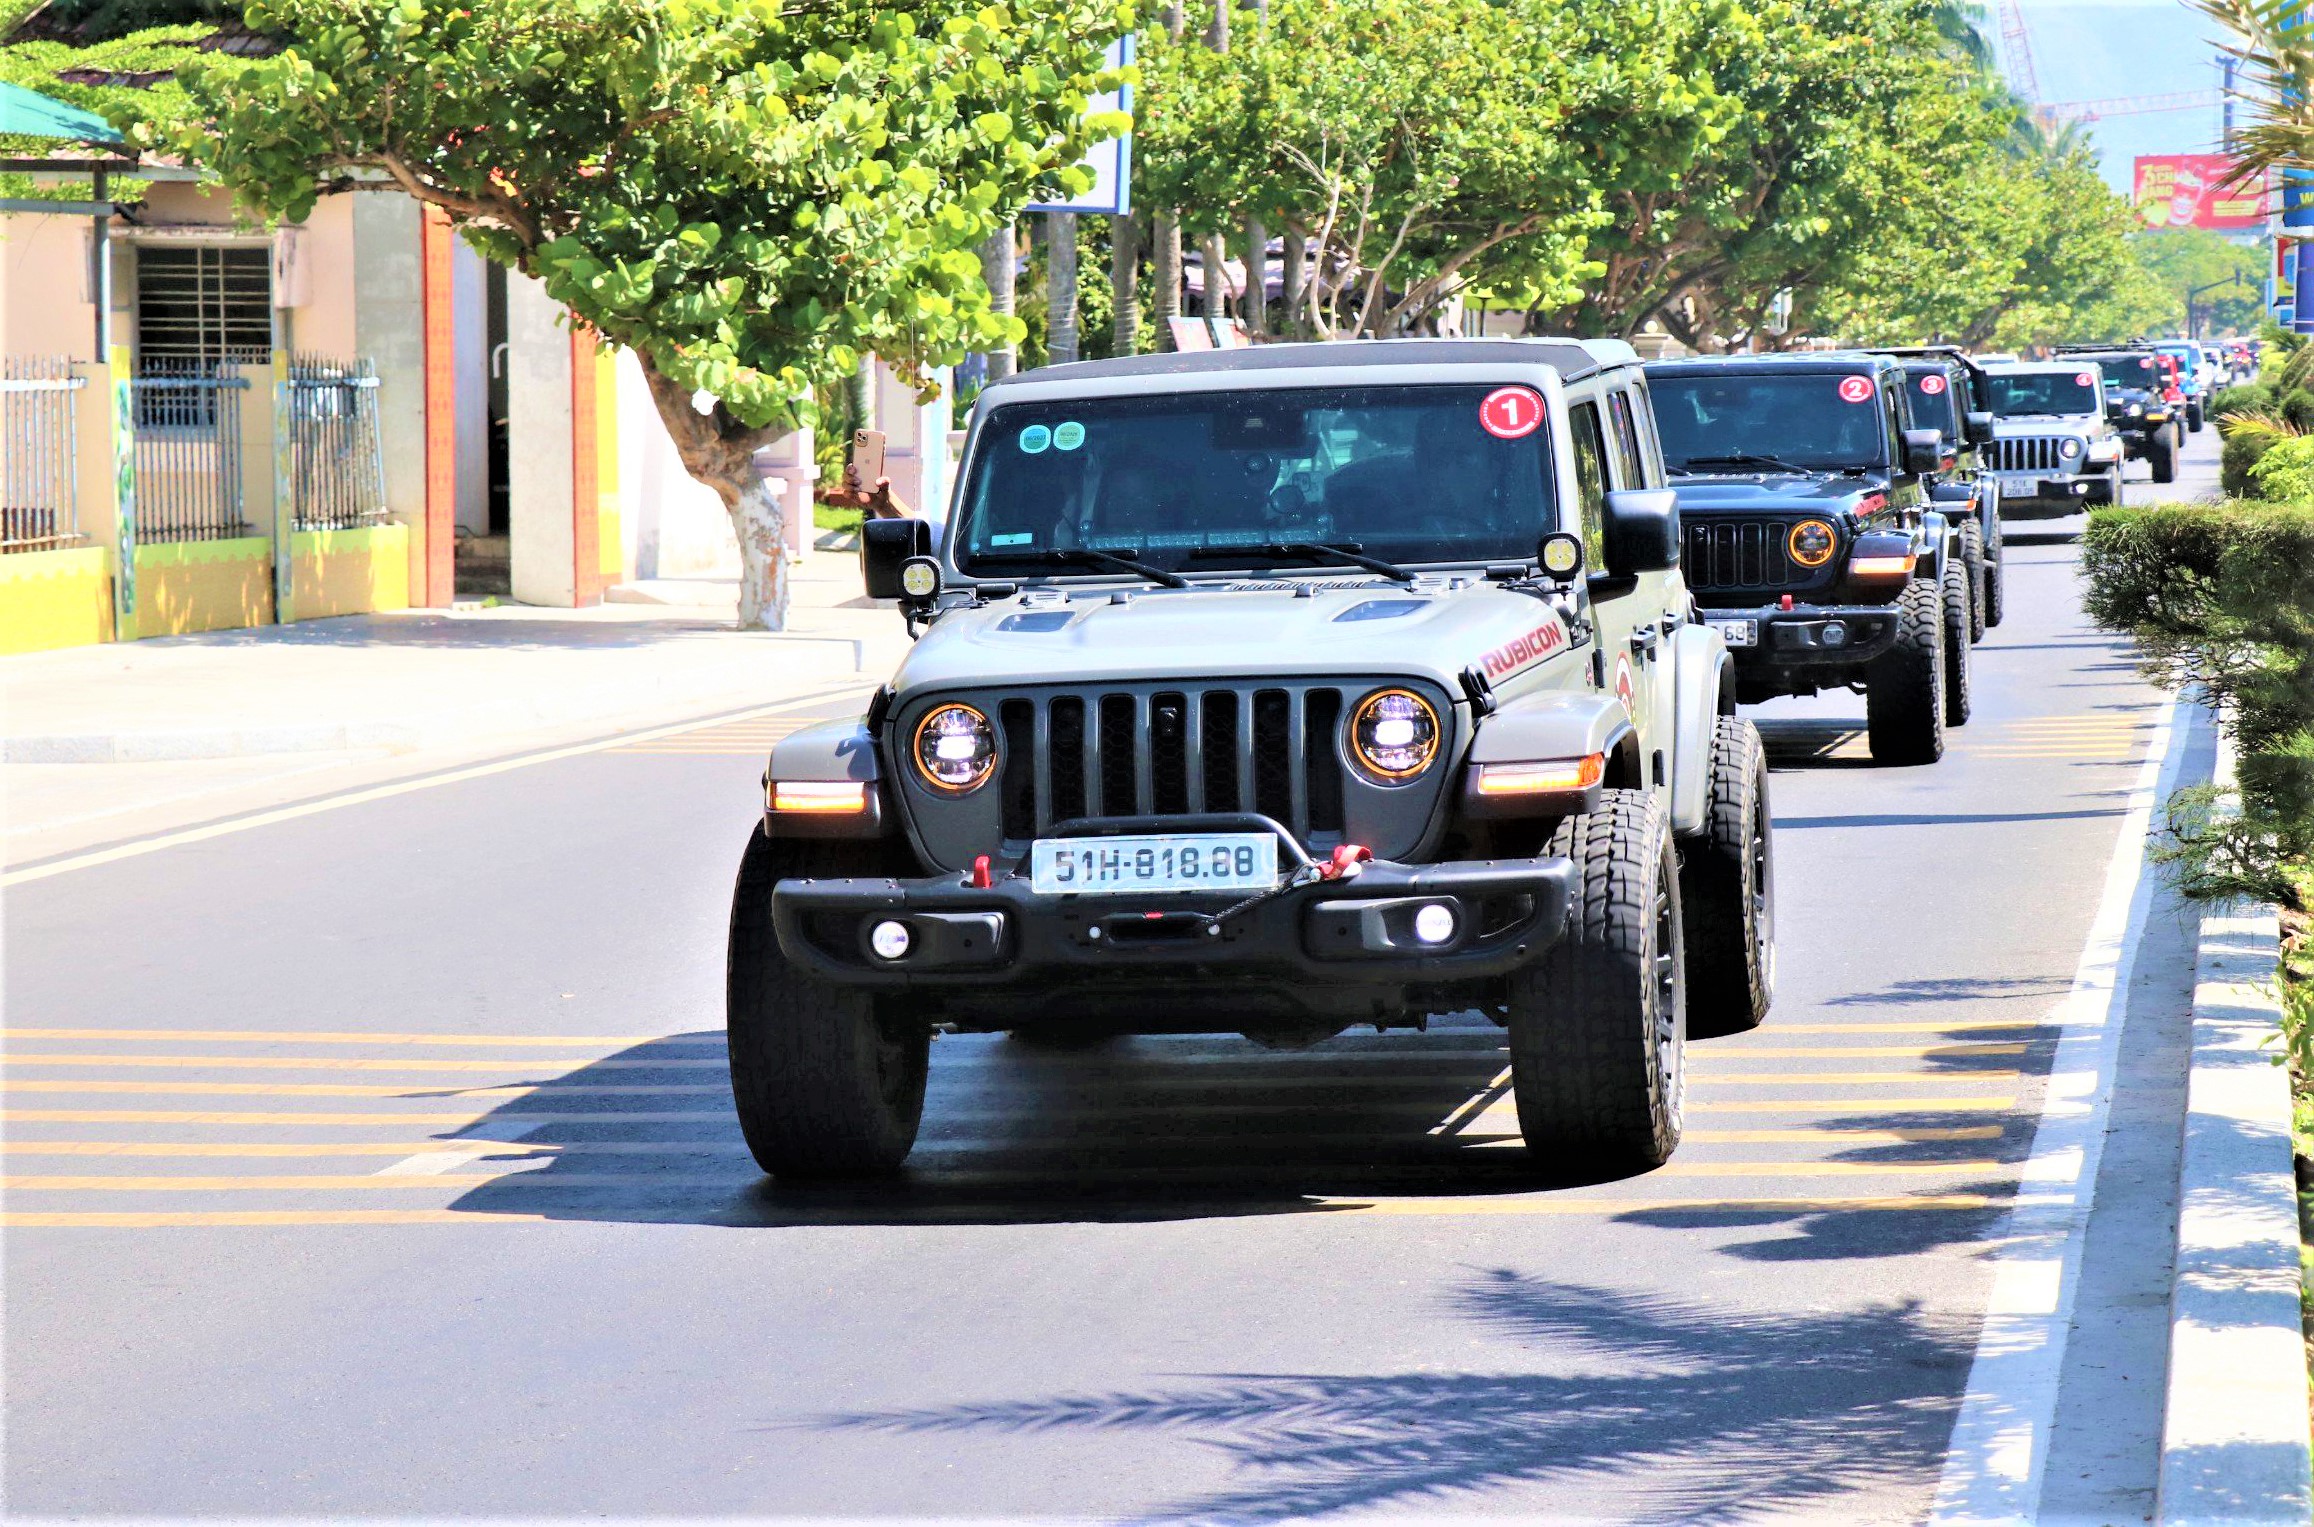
(1511, 413)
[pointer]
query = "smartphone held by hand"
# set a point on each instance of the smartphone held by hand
(867, 467)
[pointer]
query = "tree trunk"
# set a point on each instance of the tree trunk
(1165, 274)
(1060, 288)
(1125, 283)
(718, 451)
(1291, 298)
(1256, 304)
(997, 258)
(1213, 253)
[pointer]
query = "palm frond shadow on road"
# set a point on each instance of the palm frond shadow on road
(1696, 1411)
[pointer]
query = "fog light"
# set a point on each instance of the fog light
(890, 940)
(1434, 924)
(1835, 633)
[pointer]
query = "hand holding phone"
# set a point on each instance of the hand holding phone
(867, 467)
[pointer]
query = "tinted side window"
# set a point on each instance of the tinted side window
(1629, 473)
(1590, 444)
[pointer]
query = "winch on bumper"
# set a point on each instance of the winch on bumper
(1808, 635)
(1343, 922)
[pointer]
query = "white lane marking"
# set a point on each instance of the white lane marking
(156, 843)
(492, 1136)
(1994, 1465)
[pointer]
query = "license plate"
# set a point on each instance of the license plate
(1738, 633)
(1203, 861)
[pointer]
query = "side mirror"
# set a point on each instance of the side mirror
(1976, 428)
(885, 545)
(1642, 530)
(1923, 451)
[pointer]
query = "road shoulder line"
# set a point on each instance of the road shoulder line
(1997, 1457)
(2234, 1443)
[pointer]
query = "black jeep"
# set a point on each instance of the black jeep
(2152, 430)
(1811, 540)
(1952, 394)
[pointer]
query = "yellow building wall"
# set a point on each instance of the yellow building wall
(187, 586)
(54, 599)
(44, 305)
(349, 572)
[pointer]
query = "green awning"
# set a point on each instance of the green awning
(30, 114)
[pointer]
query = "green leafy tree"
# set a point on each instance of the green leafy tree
(748, 196)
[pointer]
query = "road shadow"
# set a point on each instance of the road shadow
(1814, 744)
(1013, 1133)
(1693, 1410)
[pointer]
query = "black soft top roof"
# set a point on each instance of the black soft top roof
(1571, 361)
(1829, 362)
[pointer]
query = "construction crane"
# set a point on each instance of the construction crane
(2126, 106)
(2017, 52)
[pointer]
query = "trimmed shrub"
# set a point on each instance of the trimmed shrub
(2284, 474)
(2221, 599)
(2237, 458)
(2245, 397)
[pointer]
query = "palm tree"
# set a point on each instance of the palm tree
(2276, 82)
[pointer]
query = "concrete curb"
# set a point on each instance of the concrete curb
(2234, 1434)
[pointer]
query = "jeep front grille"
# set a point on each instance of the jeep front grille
(1739, 554)
(1174, 752)
(2030, 453)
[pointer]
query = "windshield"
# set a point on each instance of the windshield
(1933, 404)
(1403, 474)
(2129, 371)
(1822, 421)
(2043, 392)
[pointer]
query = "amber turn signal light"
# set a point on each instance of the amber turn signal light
(1558, 776)
(819, 797)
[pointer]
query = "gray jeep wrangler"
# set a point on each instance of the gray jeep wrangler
(1272, 691)
(2054, 448)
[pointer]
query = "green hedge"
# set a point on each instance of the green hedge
(2221, 599)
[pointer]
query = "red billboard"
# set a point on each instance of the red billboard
(2183, 191)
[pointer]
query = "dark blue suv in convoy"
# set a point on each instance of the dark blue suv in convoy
(1811, 539)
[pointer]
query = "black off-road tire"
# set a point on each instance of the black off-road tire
(1904, 686)
(829, 1080)
(1972, 552)
(2193, 417)
(1598, 1026)
(1995, 592)
(1959, 597)
(2161, 452)
(1727, 890)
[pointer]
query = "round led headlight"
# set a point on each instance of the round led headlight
(1394, 732)
(2068, 449)
(1812, 543)
(955, 749)
(2135, 409)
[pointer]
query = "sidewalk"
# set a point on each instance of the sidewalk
(425, 679)
(103, 743)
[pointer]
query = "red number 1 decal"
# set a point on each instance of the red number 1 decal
(1511, 413)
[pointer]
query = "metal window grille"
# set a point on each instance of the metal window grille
(39, 484)
(188, 456)
(199, 307)
(337, 471)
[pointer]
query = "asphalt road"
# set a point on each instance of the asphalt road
(379, 1160)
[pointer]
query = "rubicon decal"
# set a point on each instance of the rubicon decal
(1529, 649)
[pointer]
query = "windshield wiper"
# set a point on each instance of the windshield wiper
(1740, 459)
(1344, 552)
(1085, 556)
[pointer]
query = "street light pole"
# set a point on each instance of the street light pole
(2192, 325)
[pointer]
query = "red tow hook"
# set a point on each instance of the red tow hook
(1785, 603)
(1344, 864)
(980, 879)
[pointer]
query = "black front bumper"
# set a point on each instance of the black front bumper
(1817, 637)
(1354, 932)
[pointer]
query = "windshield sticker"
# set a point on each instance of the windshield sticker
(1932, 384)
(1856, 389)
(1531, 648)
(2085, 378)
(1034, 439)
(1067, 437)
(1024, 538)
(1511, 413)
